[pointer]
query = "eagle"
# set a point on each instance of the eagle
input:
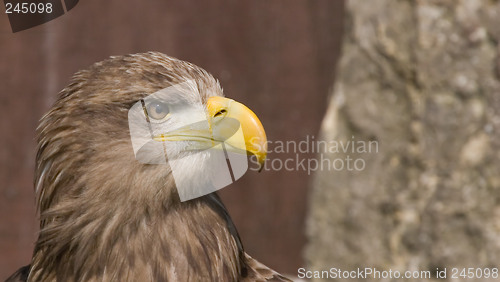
(109, 211)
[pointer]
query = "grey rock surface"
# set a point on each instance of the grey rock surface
(421, 78)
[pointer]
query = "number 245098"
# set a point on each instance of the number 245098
(28, 8)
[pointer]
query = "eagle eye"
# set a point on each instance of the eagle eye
(157, 110)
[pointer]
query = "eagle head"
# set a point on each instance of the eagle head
(158, 124)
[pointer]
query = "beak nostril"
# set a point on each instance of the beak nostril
(221, 112)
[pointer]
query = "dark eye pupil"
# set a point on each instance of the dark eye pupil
(159, 108)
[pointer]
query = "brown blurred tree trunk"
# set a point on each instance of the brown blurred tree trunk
(421, 78)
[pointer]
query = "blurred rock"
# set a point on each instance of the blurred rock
(422, 79)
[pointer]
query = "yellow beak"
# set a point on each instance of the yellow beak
(222, 111)
(226, 119)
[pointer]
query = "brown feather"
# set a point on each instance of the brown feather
(106, 217)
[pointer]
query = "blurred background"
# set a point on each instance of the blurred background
(420, 79)
(277, 57)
